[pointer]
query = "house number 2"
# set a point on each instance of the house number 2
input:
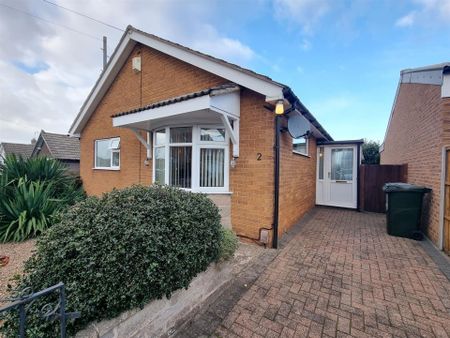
(258, 156)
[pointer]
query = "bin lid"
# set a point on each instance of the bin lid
(405, 187)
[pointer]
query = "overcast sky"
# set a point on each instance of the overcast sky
(342, 58)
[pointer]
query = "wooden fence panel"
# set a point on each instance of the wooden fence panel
(372, 178)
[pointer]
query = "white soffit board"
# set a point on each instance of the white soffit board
(271, 90)
(445, 89)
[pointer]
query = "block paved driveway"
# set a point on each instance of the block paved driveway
(341, 276)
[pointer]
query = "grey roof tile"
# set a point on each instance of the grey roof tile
(62, 147)
(18, 149)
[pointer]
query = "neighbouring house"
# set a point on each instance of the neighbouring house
(19, 149)
(163, 113)
(418, 134)
(62, 147)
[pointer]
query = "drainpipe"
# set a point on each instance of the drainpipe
(276, 208)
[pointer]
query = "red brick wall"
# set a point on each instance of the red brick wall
(297, 182)
(414, 137)
(251, 181)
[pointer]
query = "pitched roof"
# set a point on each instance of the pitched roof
(241, 76)
(60, 146)
(209, 91)
(18, 149)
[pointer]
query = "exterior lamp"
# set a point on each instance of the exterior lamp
(279, 108)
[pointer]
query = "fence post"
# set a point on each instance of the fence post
(62, 311)
(22, 319)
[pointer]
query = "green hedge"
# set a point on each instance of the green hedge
(228, 244)
(122, 250)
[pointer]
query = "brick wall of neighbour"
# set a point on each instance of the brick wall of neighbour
(251, 181)
(414, 137)
(297, 182)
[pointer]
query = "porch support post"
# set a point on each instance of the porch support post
(147, 143)
(232, 131)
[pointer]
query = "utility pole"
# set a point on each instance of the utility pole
(105, 53)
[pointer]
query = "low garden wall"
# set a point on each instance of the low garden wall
(160, 317)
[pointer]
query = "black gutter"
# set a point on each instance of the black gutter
(297, 104)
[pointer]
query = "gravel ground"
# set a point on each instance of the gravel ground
(18, 253)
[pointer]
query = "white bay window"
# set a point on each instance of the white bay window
(192, 157)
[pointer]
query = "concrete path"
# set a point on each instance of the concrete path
(341, 275)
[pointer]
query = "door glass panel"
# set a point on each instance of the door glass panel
(181, 135)
(160, 162)
(180, 167)
(321, 154)
(342, 164)
(212, 167)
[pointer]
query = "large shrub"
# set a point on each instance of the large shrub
(122, 250)
(32, 192)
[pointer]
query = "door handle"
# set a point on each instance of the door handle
(329, 175)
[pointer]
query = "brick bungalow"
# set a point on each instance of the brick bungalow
(161, 112)
(418, 134)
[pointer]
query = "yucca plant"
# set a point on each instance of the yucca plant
(32, 192)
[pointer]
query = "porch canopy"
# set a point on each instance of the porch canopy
(216, 105)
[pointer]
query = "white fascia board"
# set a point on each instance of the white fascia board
(271, 90)
(103, 84)
(198, 103)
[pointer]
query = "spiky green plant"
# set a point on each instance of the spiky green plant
(32, 192)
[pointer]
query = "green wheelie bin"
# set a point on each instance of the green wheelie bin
(404, 209)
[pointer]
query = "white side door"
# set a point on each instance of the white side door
(337, 176)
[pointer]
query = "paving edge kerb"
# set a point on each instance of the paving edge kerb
(438, 256)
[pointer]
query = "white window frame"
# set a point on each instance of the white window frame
(196, 145)
(115, 150)
(306, 146)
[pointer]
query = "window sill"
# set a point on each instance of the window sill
(109, 169)
(216, 192)
(301, 154)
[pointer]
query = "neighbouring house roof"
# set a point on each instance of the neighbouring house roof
(60, 146)
(432, 74)
(18, 149)
(272, 90)
(429, 75)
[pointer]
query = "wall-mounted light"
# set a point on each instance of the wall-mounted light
(233, 162)
(279, 108)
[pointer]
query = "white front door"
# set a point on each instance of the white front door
(337, 170)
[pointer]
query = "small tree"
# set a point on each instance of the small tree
(371, 152)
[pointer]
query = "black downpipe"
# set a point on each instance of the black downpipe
(276, 181)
